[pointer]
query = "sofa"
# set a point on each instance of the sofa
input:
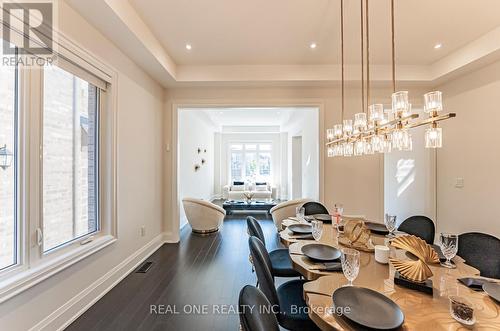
(203, 216)
(260, 190)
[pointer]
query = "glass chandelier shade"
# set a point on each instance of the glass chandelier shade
(376, 112)
(378, 144)
(400, 103)
(337, 130)
(359, 147)
(402, 140)
(360, 121)
(433, 102)
(348, 126)
(368, 148)
(330, 151)
(434, 137)
(330, 134)
(338, 150)
(348, 149)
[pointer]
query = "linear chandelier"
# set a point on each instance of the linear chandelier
(375, 129)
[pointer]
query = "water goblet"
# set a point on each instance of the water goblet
(350, 264)
(317, 229)
(449, 246)
(390, 224)
(299, 212)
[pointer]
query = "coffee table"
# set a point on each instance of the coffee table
(255, 205)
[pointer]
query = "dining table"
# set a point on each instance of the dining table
(422, 311)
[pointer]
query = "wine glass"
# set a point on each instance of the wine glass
(350, 264)
(317, 229)
(390, 224)
(338, 210)
(299, 212)
(449, 246)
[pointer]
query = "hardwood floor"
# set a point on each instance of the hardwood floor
(207, 272)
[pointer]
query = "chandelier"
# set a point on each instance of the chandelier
(375, 129)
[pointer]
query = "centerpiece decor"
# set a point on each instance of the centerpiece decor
(411, 273)
(356, 235)
(248, 196)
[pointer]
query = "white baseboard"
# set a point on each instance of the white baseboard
(71, 310)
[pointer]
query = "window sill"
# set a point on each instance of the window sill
(26, 279)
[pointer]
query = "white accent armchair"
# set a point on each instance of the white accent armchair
(203, 216)
(284, 210)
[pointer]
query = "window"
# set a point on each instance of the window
(8, 166)
(70, 157)
(251, 161)
(57, 136)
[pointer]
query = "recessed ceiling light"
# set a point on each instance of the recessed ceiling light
(189, 47)
(313, 45)
(438, 46)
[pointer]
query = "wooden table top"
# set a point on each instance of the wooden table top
(422, 311)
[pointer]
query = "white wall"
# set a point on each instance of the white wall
(195, 131)
(410, 179)
(140, 200)
(304, 123)
(470, 151)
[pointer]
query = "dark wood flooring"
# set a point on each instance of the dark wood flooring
(204, 271)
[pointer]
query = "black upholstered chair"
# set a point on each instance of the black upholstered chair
(288, 299)
(255, 311)
(482, 251)
(314, 208)
(420, 226)
(280, 257)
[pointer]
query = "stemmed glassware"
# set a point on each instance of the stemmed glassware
(350, 264)
(449, 246)
(390, 224)
(317, 229)
(338, 211)
(300, 212)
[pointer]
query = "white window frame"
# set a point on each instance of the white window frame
(33, 264)
(243, 153)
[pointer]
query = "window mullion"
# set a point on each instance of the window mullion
(34, 102)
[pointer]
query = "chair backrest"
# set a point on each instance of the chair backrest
(420, 226)
(256, 313)
(254, 229)
(263, 269)
(285, 209)
(314, 208)
(482, 251)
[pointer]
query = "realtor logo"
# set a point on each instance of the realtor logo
(29, 26)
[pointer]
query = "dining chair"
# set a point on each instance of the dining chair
(482, 251)
(420, 226)
(284, 210)
(314, 208)
(255, 311)
(288, 299)
(280, 257)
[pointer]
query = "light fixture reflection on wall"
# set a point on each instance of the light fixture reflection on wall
(5, 157)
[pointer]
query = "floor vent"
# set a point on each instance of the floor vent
(145, 267)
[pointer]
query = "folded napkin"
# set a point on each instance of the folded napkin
(439, 253)
(473, 283)
(328, 266)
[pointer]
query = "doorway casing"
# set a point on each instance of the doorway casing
(172, 219)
